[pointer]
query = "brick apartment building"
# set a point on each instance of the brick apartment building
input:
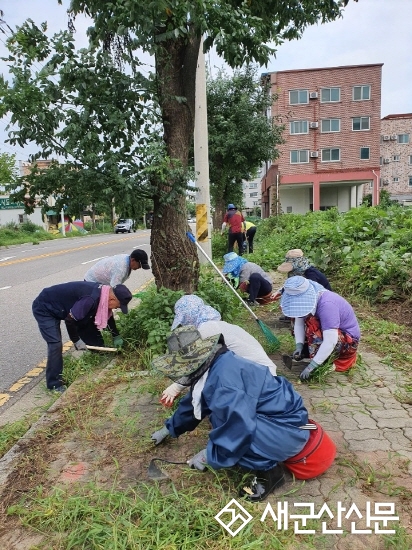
(332, 137)
(396, 156)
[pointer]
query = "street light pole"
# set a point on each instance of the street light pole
(201, 153)
(63, 226)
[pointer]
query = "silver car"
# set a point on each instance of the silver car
(123, 225)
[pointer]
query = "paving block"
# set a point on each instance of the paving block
(369, 445)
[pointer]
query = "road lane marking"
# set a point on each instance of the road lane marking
(58, 252)
(95, 260)
(5, 287)
(7, 258)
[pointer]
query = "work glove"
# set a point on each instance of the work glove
(199, 461)
(305, 374)
(118, 341)
(297, 355)
(170, 394)
(160, 435)
(80, 345)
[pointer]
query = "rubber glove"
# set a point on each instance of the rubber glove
(199, 461)
(304, 375)
(80, 345)
(297, 354)
(118, 341)
(160, 435)
(170, 394)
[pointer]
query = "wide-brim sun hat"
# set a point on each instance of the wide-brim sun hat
(230, 261)
(187, 353)
(287, 265)
(299, 297)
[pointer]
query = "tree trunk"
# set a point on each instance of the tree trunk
(175, 264)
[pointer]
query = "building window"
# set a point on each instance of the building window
(403, 138)
(380, 161)
(299, 127)
(396, 158)
(410, 159)
(395, 179)
(410, 181)
(253, 186)
(330, 125)
(288, 210)
(253, 194)
(299, 156)
(365, 153)
(256, 203)
(361, 93)
(298, 97)
(21, 219)
(361, 123)
(329, 95)
(371, 184)
(330, 155)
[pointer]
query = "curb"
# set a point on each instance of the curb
(7, 459)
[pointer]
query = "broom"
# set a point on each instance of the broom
(270, 337)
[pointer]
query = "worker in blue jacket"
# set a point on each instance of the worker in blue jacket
(256, 418)
(86, 309)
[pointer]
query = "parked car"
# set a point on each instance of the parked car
(124, 225)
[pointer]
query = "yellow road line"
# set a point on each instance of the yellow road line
(58, 252)
(36, 371)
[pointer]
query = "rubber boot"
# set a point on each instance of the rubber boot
(264, 483)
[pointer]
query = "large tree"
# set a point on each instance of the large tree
(241, 135)
(171, 30)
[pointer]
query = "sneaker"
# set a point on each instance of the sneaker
(264, 483)
(59, 389)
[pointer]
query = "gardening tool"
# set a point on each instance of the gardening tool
(154, 472)
(99, 348)
(270, 337)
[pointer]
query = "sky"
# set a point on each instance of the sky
(371, 31)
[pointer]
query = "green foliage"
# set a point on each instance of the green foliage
(8, 169)
(13, 233)
(215, 293)
(241, 136)
(149, 323)
(365, 249)
(384, 199)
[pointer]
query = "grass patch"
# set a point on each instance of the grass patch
(11, 433)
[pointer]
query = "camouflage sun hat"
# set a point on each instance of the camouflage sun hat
(187, 353)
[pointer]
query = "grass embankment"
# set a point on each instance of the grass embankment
(14, 234)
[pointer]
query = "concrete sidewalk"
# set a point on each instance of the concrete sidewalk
(371, 428)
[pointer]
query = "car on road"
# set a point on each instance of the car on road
(124, 225)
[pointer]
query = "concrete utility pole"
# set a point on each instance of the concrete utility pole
(63, 226)
(203, 218)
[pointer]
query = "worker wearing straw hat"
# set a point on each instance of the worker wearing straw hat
(256, 418)
(191, 310)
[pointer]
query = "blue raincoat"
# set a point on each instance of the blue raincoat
(255, 416)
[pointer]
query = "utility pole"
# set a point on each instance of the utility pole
(201, 153)
(63, 226)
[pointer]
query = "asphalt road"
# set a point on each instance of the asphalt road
(25, 270)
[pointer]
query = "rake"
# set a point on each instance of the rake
(270, 337)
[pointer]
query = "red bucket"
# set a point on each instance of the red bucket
(316, 456)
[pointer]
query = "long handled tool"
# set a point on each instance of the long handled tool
(270, 337)
(154, 472)
(100, 348)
